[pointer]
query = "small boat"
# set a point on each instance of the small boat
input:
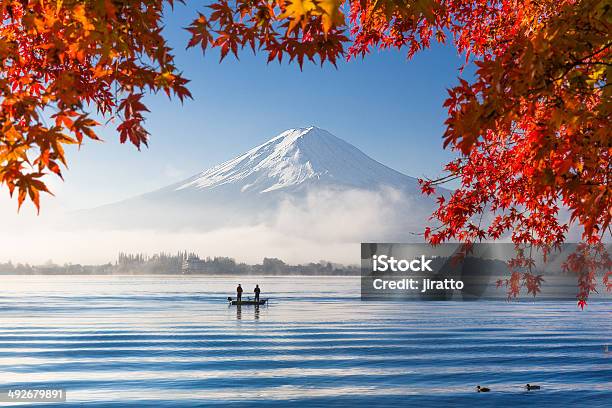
(247, 302)
(530, 387)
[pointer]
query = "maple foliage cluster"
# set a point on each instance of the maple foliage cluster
(531, 130)
(533, 133)
(60, 61)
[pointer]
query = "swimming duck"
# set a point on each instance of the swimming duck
(530, 387)
(482, 389)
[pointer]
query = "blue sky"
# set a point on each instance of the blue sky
(387, 106)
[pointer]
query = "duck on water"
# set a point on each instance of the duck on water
(528, 387)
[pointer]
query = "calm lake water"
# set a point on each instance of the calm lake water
(173, 341)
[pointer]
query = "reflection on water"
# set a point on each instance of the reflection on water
(173, 341)
(255, 309)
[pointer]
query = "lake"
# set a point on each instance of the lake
(134, 341)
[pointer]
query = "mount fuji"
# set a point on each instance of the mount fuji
(297, 159)
(253, 187)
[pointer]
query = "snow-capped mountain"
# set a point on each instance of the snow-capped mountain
(252, 187)
(297, 158)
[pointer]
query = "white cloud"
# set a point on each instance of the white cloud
(172, 173)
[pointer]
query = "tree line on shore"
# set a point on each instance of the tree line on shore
(181, 263)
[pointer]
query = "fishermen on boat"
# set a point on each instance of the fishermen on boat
(257, 291)
(239, 293)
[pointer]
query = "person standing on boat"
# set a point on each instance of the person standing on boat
(239, 293)
(257, 291)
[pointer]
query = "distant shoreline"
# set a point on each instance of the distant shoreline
(182, 264)
(178, 274)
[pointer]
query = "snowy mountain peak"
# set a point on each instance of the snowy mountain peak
(294, 159)
(306, 169)
(292, 135)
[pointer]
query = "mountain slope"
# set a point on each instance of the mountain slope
(250, 188)
(295, 158)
